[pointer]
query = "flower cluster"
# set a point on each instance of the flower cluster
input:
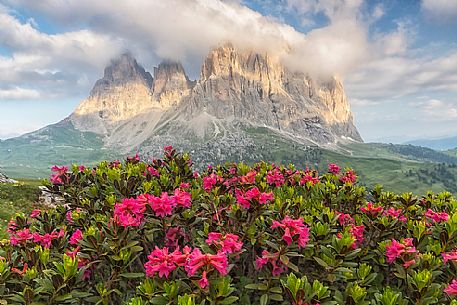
(273, 258)
(437, 216)
(130, 212)
(22, 236)
(161, 262)
(252, 195)
(59, 174)
(229, 243)
(370, 209)
(402, 250)
(292, 228)
(275, 177)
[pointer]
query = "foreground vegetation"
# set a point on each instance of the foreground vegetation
(160, 233)
(16, 198)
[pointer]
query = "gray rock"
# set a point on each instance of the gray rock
(238, 91)
(5, 179)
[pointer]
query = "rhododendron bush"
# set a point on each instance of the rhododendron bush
(157, 232)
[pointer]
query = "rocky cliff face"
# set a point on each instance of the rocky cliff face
(170, 84)
(258, 89)
(123, 93)
(237, 91)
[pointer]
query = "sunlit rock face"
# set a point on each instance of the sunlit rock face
(123, 93)
(237, 90)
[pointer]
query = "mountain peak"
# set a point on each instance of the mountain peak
(170, 83)
(121, 70)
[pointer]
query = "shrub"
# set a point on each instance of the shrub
(159, 233)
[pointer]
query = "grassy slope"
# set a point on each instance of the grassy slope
(32, 155)
(16, 198)
(400, 168)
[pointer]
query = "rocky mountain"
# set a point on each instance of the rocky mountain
(244, 106)
(237, 91)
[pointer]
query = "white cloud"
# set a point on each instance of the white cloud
(396, 76)
(435, 109)
(440, 10)
(18, 93)
(156, 29)
(363, 102)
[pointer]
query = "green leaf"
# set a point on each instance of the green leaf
(264, 299)
(132, 275)
(229, 300)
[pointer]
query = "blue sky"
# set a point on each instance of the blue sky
(397, 59)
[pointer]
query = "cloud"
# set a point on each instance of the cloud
(396, 76)
(18, 93)
(440, 10)
(50, 65)
(155, 30)
(439, 110)
(363, 102)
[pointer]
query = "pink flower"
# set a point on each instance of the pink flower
(400, 250)
(241, 199)
(35, 213)
(394, 250)
(161, 262)
(130, 212)
(203, 283)
(134, 159)
(293, 227)
(309, 177)
(265, 197)
(153, 171)
(371, 209)
(344, 219)
(59, 170)
(56, 179)
(228, 243)
(253, 193)
(172, 236)
(407, 264)
(76, 237)
(449, 256)
(334, 169)
(357, 233)
(249, 178)
(349, 177)
(451, 289)
(437, 217)
(275, 177)
(272, 258)
(197, 260)
(210, 181)
(162, 206)
(395, 213)
(81, 168)
(184, 186)
(69, 216)
(20, 237)
(182, 198)
(73, 253)
(46, 239)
